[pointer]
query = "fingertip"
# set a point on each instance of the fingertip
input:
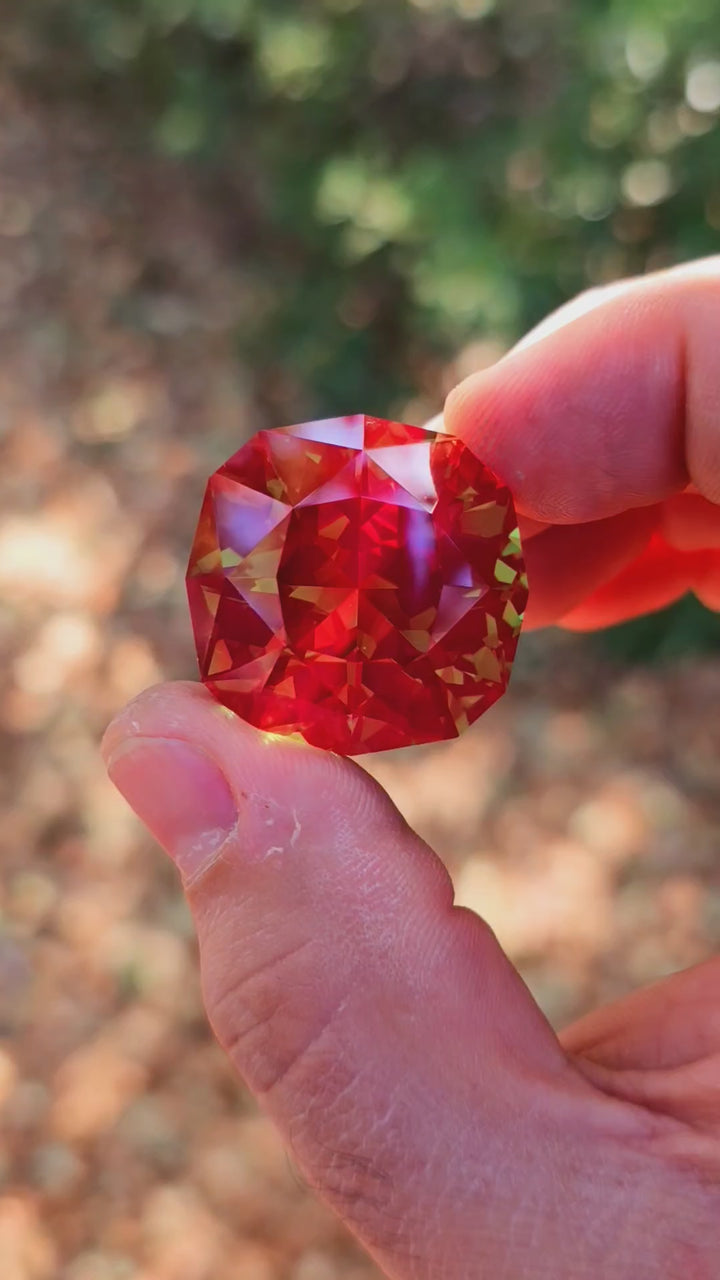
(588, 419)
(332, 792)
(185, 710)
(180, 794)
(166, 705)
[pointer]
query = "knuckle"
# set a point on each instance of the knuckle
(276, 1019)
(357, 1165)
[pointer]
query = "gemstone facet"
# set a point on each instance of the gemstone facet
(357, 582)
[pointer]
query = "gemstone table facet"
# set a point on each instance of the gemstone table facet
(357, 582)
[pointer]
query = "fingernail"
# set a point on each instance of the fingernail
(180, 795)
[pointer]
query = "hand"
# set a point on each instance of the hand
(417, 1084)
(604, 422)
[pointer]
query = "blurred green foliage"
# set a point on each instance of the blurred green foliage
(408, 177)
(684, 631)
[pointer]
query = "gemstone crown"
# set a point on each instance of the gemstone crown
(357, 582)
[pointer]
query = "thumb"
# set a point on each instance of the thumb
(383, 1029)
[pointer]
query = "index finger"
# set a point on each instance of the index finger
(613, 404)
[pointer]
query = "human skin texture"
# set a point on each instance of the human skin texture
(413, 1078)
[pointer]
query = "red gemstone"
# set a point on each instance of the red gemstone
(357, 582)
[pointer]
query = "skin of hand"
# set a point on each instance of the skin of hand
(415, 1082)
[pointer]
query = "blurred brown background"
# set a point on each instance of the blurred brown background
(219, 216)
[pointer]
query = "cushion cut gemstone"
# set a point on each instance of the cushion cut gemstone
(357, 582)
